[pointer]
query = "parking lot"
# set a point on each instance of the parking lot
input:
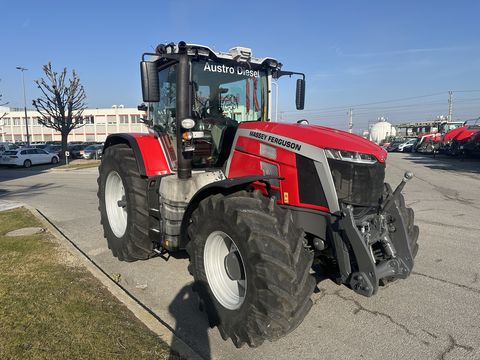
(433, 314)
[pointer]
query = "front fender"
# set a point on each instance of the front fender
(222, 186)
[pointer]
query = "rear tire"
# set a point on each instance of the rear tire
(27, 163)
(126, 232)
(276, 267)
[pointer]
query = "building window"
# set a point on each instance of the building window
(135, 119)
(88, 119)
(6, 121)
(123, 119)
(16, 121)
(111, 119)
(100, 119)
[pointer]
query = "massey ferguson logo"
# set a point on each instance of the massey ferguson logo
(276, 141)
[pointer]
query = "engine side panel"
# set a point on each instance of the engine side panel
(254, 155)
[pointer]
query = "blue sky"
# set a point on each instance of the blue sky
(353, 52)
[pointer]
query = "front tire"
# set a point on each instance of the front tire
(54, 160)
(27, 163)
(251, 269)
(123, 205)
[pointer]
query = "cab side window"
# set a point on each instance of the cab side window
(163, 112)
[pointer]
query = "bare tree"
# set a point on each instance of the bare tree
(62, 103)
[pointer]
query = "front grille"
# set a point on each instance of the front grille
(309, 185)
(358, 184)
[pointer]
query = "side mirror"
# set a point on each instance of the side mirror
(300, 94)
(150, 85)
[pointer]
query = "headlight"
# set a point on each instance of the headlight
(351, 156)
(188, 123)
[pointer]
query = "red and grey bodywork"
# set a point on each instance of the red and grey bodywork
(465, 139)
(330, 180)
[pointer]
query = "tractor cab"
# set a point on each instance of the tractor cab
(198, 97)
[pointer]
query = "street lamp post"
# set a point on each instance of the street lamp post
(22, 69)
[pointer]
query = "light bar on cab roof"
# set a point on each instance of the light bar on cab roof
(350, 156)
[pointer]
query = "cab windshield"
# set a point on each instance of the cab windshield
(234, 92)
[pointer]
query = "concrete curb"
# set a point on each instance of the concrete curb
(8, 205)
(152, 322)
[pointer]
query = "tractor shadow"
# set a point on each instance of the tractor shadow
(8, 173)
(191, 325)
(321, 275)
(31, 190)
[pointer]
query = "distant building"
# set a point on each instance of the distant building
(381, 130)
(98, 124)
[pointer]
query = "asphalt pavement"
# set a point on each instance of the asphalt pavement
(434, 314)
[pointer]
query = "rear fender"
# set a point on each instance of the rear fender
(148, 150)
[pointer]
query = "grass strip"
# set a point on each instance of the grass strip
(51, 307)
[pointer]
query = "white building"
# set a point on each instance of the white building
(381, 130)
(98, 124)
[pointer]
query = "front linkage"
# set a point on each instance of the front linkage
(393, 231)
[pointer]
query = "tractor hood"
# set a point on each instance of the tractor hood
(453, 134)
(322, 137)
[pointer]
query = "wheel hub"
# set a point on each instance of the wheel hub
(233, 266)
(225, 270)
(116, 204)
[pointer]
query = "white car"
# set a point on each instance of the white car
(407, 146)
(4, 146)
(27, 157)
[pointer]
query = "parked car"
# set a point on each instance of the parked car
(92, 152)
(393, 146)
(75, 150)
(4, 146)
(39, 146)
(28, 157)
(54, 149)
(407, 146)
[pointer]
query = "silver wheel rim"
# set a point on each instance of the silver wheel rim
(229, 293)
(115, 203)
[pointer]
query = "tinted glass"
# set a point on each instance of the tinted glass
(235, 92)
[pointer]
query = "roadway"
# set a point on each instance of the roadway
(433, 314)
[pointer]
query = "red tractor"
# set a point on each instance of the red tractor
(255, 204)
(435, 141)
(464, 140)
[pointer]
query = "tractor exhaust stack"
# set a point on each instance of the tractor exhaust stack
(183, 112)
